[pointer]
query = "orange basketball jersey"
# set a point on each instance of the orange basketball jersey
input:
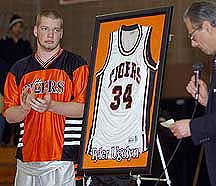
(48, 136)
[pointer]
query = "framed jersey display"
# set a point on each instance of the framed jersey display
(126, 72)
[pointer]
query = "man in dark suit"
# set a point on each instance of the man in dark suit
(200, 20)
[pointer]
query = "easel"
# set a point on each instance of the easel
(138, 178)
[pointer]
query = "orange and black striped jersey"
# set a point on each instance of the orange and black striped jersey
(48, 136)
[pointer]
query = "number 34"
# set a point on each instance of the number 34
(117, 91)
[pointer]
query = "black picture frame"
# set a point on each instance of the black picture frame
(159, 19)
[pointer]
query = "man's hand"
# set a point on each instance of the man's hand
(181, 128)
(25, 99)
(41, 105)
(203, 91)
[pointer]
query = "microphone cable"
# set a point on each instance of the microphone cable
(177, 146)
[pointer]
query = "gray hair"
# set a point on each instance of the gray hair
(201, 11)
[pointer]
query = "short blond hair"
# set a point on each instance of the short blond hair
(53, 14)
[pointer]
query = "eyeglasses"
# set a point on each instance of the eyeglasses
(191, 35)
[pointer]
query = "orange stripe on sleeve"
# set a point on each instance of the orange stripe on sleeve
(11, 93)
(80, 81)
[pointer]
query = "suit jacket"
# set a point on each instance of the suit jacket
(203, 130)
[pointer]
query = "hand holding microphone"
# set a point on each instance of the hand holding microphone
(196, 87)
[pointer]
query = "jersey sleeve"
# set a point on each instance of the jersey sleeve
(11, 94)
(80, 81)
(147, 54)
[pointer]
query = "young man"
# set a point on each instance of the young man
(40, 92)
(200, 20)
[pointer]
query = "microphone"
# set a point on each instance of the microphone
(197, 68)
